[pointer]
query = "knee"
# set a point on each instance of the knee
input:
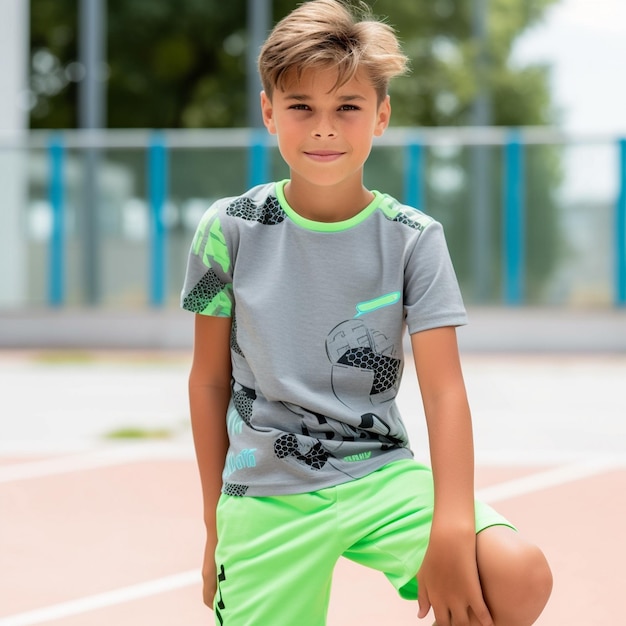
(516, 579)
(534, 578)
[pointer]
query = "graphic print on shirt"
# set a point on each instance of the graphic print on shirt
(365, 374)
(360, 354)
(239, 413)
(344, 419)
(210, 295)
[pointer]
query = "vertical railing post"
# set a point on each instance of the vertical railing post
(514, 236)
(620, 228)
(414, 180)
(258, 158)
(157, 194)
(56, 199)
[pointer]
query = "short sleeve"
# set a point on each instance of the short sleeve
(432, 297)
(208, 281)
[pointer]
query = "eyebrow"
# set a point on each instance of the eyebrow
(303, 97)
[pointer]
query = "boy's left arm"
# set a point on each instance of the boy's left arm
(448, 579)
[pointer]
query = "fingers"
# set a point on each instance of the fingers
(459, 617)
(209, 576)
(209, 588)
(208, 595)
(482, 614)
(423, 601)
(453, 614)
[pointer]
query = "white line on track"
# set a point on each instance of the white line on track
(513, 488)
(102, 600)
(105, 457)
(546, 479)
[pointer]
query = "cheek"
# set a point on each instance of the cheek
(290, 133)
(286, 145)
(282, 127)
(361, 135)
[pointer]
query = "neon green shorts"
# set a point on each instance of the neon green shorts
(275, 555)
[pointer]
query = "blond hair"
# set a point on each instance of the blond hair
(331, 33)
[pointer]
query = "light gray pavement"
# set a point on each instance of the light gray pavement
(528, 408)
(543, 382)
(559, 416)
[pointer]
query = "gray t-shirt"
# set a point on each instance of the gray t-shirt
(319, 311)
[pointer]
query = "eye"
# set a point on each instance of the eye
(299, 107)
(349, 107)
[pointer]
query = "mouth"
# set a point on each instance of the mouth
(324, 155)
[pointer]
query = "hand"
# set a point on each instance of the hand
(448, 581)
(209, 573)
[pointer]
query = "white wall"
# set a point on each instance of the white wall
(14, 36)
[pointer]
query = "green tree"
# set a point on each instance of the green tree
(53, 68)
(442, 86)
(170, 63)
(441, 90)
(182, 64)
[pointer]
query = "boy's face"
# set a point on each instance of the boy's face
(325, 135)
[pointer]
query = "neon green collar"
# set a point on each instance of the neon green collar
(326, 227)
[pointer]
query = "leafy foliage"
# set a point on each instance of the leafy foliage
(181, 63)
(53, 27)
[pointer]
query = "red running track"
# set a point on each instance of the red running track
(114, 536)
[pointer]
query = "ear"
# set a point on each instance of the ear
(267, 111)
(383, 117)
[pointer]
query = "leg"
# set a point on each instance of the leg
(275, 557)
(515, 576)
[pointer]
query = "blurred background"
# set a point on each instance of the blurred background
(121, 121)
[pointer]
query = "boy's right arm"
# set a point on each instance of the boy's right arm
(209, 394)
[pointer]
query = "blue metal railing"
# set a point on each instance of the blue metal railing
(56, 197)
(414, 174)
(514, 221)
(158, 145)
(158, 177)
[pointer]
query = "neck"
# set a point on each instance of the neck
(335, 203)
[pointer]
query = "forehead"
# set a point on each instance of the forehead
(320, 82)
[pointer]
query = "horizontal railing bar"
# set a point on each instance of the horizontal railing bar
(204, 138)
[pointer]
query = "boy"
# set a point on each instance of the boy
(302, 290)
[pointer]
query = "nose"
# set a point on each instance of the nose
(323, 127)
